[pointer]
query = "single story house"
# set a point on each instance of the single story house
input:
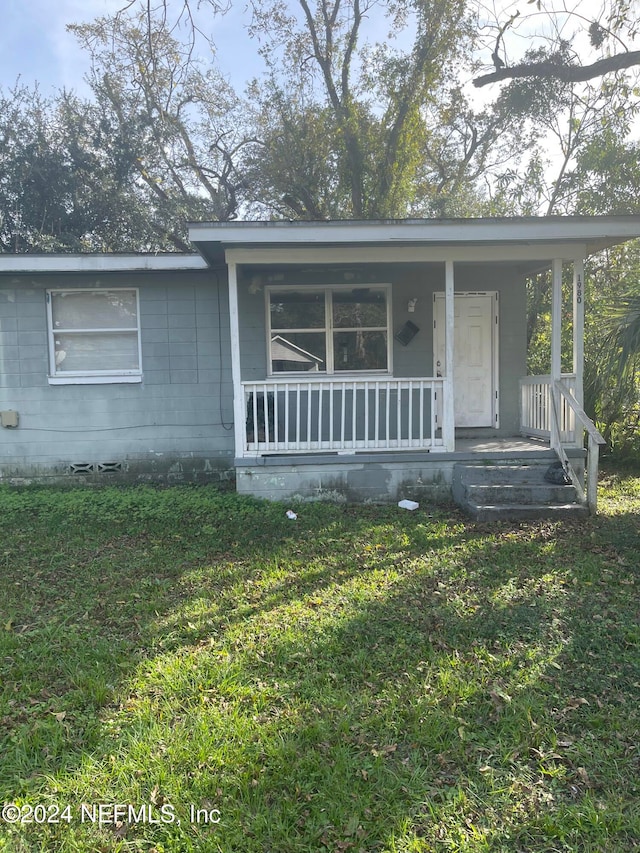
(372, 360)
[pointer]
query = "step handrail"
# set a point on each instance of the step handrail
(564, 459)
(594, 441)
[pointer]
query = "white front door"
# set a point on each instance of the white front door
(475, 370)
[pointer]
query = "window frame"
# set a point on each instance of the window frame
(91, 377)
(329, 329)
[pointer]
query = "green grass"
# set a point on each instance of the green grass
(361, 679)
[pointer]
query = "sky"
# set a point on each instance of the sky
(35, 46)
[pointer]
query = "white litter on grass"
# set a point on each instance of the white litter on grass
(291, 514)
(408, 504)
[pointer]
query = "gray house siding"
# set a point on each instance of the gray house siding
(176, 424)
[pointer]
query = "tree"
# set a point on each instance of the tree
(607, 173)
(177, 126)
(612, 351)
(610, 31)
(625, 338)
(550, 68)
(59, 190)
(570, 121)
(348, 123)
(607, 179)
(351, 113)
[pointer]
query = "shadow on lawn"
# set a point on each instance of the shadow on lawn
(481, 689)
(502, 710)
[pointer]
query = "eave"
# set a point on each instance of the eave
(106, 263)
(524, 238)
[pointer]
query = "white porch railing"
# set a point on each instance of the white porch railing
(536, 408)
(328, 414)
(594, 442)
(564, 418)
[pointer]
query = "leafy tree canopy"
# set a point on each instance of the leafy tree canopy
(179, 123)
(61, 188)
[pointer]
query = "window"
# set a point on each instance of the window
(329, 330)
(94, 336)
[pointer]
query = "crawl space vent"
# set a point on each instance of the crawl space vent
(95, 468)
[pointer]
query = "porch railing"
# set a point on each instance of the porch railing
(561, 419)
(594, 442)
(325, 414)
(536, 408)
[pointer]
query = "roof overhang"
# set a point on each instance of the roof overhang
(508, 239)
(532, 240)
(106, 263)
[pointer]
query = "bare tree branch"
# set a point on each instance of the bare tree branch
(557, 71)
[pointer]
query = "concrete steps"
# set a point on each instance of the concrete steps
(513, 491)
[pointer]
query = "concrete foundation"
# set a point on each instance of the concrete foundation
(371, 477)
(160, 468)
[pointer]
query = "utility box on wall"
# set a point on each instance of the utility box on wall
(9, 419)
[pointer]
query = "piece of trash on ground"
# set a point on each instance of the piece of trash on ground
(408, 504)
(291, 514)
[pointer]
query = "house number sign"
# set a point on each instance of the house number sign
(579, 290)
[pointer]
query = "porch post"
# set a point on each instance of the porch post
(556, 348)
(578, 328)
(234, 331)
(448, 411)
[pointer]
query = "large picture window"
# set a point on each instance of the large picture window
(94, 335)
(328, 330)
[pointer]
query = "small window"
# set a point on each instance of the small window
(94, 336)
(328, 330)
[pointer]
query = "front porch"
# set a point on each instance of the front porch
(382, 440)
(369, 359)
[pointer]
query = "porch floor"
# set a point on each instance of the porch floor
(466, 448)
(515, 444)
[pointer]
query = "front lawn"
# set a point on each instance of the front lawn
(184, 670)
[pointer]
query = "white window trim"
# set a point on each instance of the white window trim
(91, 377)
(329, 329)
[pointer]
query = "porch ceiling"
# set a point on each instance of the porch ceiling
(525, 238)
